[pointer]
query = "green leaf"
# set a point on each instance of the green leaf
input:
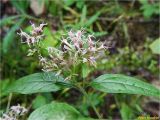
(53, 8)
(8, 39)
(116, 83)
(98, 34)
(92, 19)
(56, 111)
(39, 101)
(36, 83)
(148, 8)
(155, 46)
(126, 112)
(85, 70)
(50, 39)
(69, 2)
(83, 15)
(8, 20)
(20, 5)
(3, 85)
(80, 4)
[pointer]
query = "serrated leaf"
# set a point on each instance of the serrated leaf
(155, 46)
(8, 39)
(36, 83)
(56, 111)
(116, 83)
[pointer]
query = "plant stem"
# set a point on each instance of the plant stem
(94, 108)
(9, 102)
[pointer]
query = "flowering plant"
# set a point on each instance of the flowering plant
(75, 49)
(62, 68)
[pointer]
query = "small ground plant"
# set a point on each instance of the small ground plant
(66, 66)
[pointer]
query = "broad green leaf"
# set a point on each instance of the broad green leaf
(56, 111)
(8, 39)
(36, 83)
(155, 46)
(116, 83)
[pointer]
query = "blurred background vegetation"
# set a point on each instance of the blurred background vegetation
(130, 28)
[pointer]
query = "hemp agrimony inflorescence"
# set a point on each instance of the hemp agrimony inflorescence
(35, 35)
(14, 113)
(76, 48)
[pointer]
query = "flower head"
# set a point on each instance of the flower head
(14, 112)
(35, 35)
(76, 48)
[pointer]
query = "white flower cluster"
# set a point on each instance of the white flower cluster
(14, 112)
(34, 37)
(78, 47)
